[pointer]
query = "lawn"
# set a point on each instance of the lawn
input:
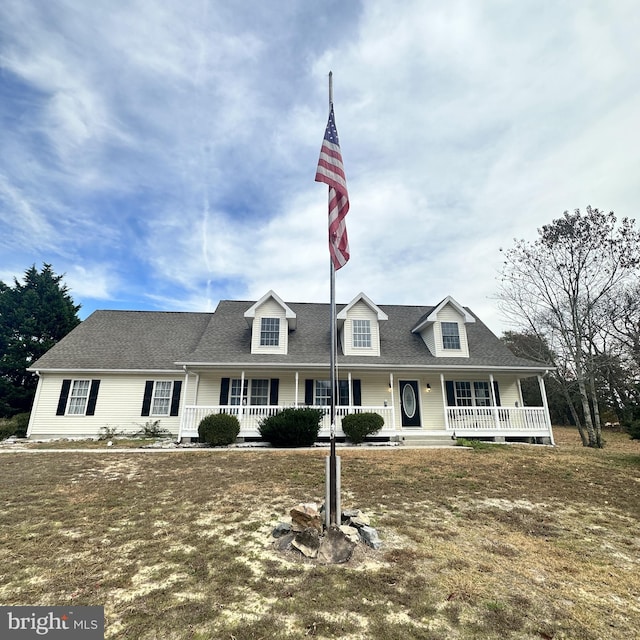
(497, 542)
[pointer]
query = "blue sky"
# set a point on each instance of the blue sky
(162, 154)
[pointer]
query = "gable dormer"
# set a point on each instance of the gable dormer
(359, 326)
(444, 330)
(270, 320)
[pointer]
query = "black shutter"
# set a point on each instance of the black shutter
(224, 391)
(64, 396)
(357, 392)
(93, 397)
(273, 391)
(146, 400)
(175, 398)
(308, 392)
(496, 393)
(451, 396)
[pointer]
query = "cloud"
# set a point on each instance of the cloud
(166, 151)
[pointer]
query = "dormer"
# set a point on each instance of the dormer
(359, 326)
(444, 330)
(270, 320)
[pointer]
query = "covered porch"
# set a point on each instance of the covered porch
(411, 402)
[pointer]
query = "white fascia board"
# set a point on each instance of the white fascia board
(289, 314)
(433, 316)
(362, 296)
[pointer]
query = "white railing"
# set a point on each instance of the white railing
(504, 419)
(250, 417)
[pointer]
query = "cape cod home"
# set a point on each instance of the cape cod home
(432, 372)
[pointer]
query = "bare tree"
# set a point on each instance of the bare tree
(558, 288)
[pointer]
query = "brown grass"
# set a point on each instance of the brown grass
(503, 542)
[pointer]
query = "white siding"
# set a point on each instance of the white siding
(360, 311)
(119, 406)
(270, 309)
(432, 335)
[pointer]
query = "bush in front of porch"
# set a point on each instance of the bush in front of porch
(357, 426)
(219, 430)
(292, 427)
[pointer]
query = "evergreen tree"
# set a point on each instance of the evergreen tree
(34, 315)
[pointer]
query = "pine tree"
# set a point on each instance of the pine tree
(34, 315)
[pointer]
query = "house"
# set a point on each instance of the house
(430, 371)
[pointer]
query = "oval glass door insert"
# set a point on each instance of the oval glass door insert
(409, 400)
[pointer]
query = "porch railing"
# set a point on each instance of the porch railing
(250, 417)
(528, 420)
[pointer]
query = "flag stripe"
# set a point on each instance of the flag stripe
(331, 171)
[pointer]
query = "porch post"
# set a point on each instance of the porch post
(184, 404)
(350, 392)
(492, 391)
(393, 404)
(242, 398)
(296, 391)
(444, 401)
(545, 404)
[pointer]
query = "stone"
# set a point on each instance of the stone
(281, 529)
(359, 521)
(370, 537)
(307, 542)
(283, 543)
(350, 532)
(304, 516)
(335, 547)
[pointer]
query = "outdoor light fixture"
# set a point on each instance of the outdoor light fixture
(389, 387)
(428, 389)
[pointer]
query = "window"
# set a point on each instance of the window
(323, 393)
(256, 392)
(161, 401)
(482, 395)
(78, 397)
(259, 392)
(450, 335)
(361, 333)
(463, 394)
(269, 332)
(470, 394)
(236, 396)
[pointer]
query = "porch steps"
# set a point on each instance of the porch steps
(427, 440)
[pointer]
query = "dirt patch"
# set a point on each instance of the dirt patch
(510, 542)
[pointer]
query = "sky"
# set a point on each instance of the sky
(162, 155)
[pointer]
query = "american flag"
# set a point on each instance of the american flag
(331, 171)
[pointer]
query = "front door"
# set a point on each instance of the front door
(409, 403)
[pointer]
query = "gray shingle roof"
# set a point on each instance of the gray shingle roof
(148, 340)
(144, 340)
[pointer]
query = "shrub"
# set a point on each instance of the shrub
(107, 432)
(292, 427)
(15, 426)
(219, 430)
(633, 429)
(152, 429)
(357, 426)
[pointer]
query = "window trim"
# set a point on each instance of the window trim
(75, 396)
(361, 332)
(155, 398)
(269, 331)
(450, 341)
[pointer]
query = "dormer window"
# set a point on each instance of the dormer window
(270, 332)
(450, 335)
(362, 333)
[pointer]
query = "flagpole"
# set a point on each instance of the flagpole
(333, 484)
